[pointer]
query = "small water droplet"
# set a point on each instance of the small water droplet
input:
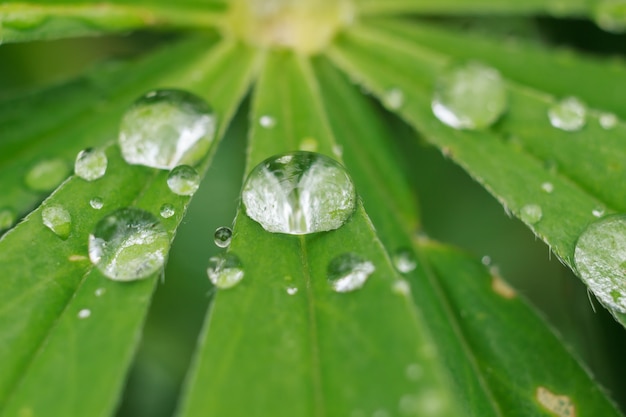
(393, 99)
(547, 187)
(598, 211)
(299, 193)
(292, 290)
(469, 96)
(7, 218)
(167, 128)
(338, 151)
(349, 272)
(569, 114)
(267, 121)
(222, 237)
(531, 213)
(486, 260)
(167, 211)
(309, 145)
(401, 287)
(128, 244)
(600, 258)
(47, 175)
(84, 313)
(96, 203)
(404, 261)
(225, 270)
(91, 164)
(183, 180)
(57, 219)
(608, 121)
(100, 292)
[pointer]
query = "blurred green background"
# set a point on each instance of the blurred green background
(454, 208)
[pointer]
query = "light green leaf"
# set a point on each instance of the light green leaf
(47, 281)
(483, 331)
(330, 353)
(514, 159)
(21, 22)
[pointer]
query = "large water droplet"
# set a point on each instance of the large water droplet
(128, 244)
(600, 258)
(404, 261)
(47, 175)
(531, 213)
(166, 128)
(348, 272)
(469, 96)
(569, 114)
(91, 164)
(222, 237)
(7, 218)
(225, 270)
(183, 180)
(299, 193)
(57, 219)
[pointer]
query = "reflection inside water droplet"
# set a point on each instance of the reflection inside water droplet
(166, 128)
(349, 272)
(128, 244)
(90, 164)
(225, 270)
(57, 219)
(299, 193)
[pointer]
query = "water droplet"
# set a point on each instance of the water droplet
(96, 203)
(401, 287)
(608, 121)
(47, 175)
(338, 151)
(610, 16)
(348, 272)
(267, 122)
(57, 219)
(167, 211)
(548, 187)
(404, 261)
(84, 313)
(91, 164)
(128, 244)
(7, 218)
(598, 211)
(600, 258)
(167, 128)
(223, 236)
(486, 260)
(560, 405)
(569, 114)
(531, 213)
(100, 292)
(292, 290)
(393, 99)
(469, 96)
(309, 145)
(225, 270)
(299, 193)
(183, 180)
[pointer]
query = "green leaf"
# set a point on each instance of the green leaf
(515, 158)
(21, 22)
(482, 329)
(47, 281)
(330, 353)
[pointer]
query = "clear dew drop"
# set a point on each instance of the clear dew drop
(47, 175)
(91, 164)
(167, 128)
(531, 213)
(222, 236)
(225, 270)
(608, 121)
(299, 193)
(404, 261)
(469, 96)
(349, 272)
(167, 211)
(393, 99)
(128, 244)
(600, 258)
(598, 211)
(57, 219)
(96, 203)
(267, 121)
(183, 180)
(84, 313)
(547, 187)
(7, 218)
(569, 114)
